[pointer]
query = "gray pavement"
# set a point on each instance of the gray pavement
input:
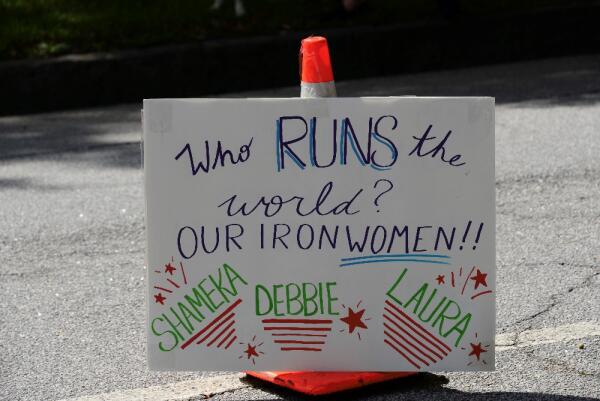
(72, 308)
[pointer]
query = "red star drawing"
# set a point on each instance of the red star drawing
(477, 350)
(479, 279)
(251, 351)
(354, 320)
(159, 299)
(169, 268)
(440, 279)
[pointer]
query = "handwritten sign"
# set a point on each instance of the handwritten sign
(320, 234)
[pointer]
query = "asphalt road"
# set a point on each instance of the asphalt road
(72, 308)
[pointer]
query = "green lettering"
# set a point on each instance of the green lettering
(443, 316)
(330, 299)
(257, 297)
(174, 326)
(276, 300)
(306, 298)
(393, 287)
(320, 292)
(219, 285)
(294, 298)
(196, 303)
(187, 313)
(161, 345)
(432, 312)
(417, 297)
(210, 304)
(460, 327)
(232, 276)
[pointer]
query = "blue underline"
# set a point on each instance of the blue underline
(397, 255)
(362, 262)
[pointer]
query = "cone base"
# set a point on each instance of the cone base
(319, 89)
(319, 383)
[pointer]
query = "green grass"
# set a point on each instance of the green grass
(43, 28)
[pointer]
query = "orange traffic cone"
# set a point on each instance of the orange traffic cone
(320, 383)
(316, 73)
(316, 80)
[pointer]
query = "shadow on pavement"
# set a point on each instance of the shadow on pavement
(46, 135)
(116, 131)
(29, 184)
(424, 386)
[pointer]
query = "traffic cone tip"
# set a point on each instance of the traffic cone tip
(315, 63)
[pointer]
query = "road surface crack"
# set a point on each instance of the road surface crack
(555, 300)
(555, 365)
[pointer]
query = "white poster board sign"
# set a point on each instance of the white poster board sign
(320, 234)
